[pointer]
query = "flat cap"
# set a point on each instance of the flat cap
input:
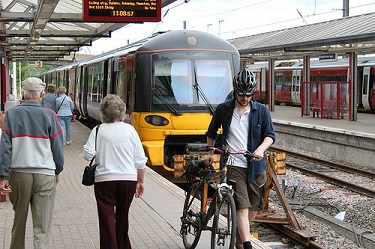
(33, 84)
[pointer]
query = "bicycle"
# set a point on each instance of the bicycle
(199, 210)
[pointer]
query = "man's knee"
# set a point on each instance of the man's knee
(242, 212)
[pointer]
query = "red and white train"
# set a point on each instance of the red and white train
(288, 80)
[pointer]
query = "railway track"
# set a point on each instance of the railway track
(354, 181)
(334, 173)
(324, 170)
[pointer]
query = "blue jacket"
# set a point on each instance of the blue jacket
(64, 105)
(260, 127)
(49, 101)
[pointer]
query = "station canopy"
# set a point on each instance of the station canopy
(46, 30)
(339, 36)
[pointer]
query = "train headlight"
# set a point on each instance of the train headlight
(156, 120)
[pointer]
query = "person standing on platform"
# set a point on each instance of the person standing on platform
(64, 105)
(120, 172)
(49, 99)
(31, 159)
(246, 125)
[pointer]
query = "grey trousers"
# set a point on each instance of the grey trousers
(38, 192)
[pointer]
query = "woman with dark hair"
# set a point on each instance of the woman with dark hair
(119, 175)
(49, 99)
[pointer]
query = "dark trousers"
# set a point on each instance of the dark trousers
(113, 200)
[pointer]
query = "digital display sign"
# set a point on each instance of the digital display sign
(122, 11)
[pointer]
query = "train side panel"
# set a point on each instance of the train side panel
(287, 88)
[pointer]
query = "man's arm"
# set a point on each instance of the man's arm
(259, 152)
(209, 159)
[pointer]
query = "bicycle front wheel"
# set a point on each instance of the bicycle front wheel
(190, 221)
(224, 225)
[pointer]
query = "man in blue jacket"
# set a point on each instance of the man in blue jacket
(31, 159)
(246, 125)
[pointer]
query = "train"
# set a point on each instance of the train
(288, 80)
(171, 83)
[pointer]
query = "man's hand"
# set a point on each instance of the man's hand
(209, 159)
(5, 187)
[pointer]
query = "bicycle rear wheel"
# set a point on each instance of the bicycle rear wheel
(191, 227)
(224, 225)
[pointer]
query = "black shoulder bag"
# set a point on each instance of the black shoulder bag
(88, 177)
(60, 104)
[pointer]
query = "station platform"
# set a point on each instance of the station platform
(364, 126)
(335, 139)
(154, 218)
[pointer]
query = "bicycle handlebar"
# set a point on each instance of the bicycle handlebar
(195, 147)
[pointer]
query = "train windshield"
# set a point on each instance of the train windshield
(195, 83)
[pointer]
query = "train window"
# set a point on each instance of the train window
(121, 80)
(191, 82)
(175, 80)
(285, 88)
(95, 83)
(313, 88)
(365, 84)
(214, 73)
(172, 81)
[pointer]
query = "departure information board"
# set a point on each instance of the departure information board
(122, 11)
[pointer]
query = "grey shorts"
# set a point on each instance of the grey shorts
(247, 195)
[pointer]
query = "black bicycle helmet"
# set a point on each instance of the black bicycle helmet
(244, 82)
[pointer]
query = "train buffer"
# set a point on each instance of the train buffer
(288, 225)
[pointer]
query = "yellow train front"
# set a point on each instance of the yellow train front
(171, 83)
(179, 79)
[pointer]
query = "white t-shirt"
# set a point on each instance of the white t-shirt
(237, 137)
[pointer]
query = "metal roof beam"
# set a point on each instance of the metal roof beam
(46, 33)
(55, 43)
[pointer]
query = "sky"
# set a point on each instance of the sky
(233, 18)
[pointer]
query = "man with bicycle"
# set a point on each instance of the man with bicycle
(246, 125)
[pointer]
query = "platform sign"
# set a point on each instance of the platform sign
(122, 11)
(327, 57)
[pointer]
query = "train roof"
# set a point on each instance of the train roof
(187, 39)
(159, 41)
(112, 53)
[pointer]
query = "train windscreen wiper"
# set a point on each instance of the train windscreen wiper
(165, 102)
(201, 93)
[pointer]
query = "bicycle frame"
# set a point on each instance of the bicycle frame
(196, 217)
(207, 213)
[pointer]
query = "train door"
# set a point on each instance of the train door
(84, 88)
(296, 82)
(81, 91)
(106, 89)
(129, 87)
(112, 73)
(66, 81)
(365, 91)
(263, 87)
(72, 85)
(77, 89)
(372, 89)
